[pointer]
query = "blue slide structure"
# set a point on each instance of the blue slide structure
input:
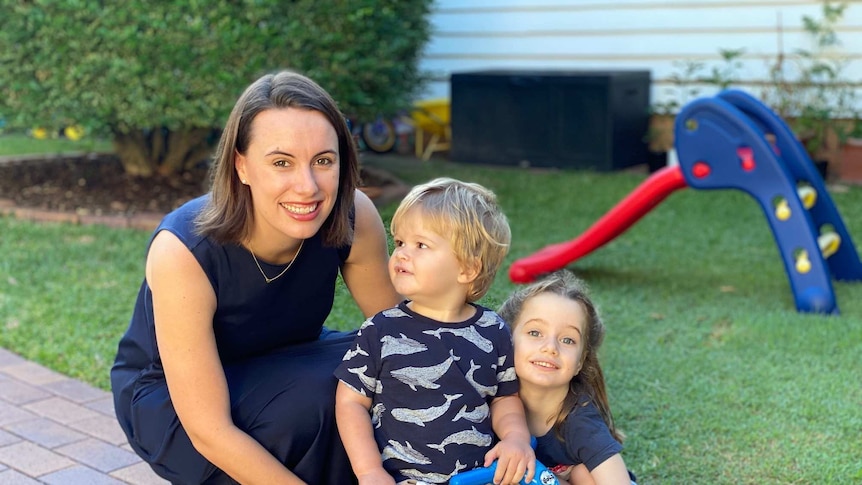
(722, 143)
(733, 141)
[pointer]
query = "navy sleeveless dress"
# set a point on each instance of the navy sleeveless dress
(277, 356)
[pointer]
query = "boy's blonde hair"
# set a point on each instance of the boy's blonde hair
(468, 215)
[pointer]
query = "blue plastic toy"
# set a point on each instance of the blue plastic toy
(484, 476)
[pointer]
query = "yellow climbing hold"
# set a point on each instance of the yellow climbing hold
(829, 243)
(782, 211)
(807, 195)
(803, 265)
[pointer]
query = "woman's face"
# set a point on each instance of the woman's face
(292, 168)
(549, 341)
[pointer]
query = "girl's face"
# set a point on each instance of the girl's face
(548, 339)
(292, 169)
(423, 266)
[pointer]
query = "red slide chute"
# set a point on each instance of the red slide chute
(647, 195)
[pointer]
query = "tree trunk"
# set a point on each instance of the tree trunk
(182, 146)
(133, 153)
(158, 151)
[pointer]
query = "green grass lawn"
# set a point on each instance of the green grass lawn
(17, 143)
(712, 374)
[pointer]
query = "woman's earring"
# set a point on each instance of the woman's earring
(244, 182)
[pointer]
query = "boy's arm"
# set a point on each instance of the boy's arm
(513, 453)
(354, 426)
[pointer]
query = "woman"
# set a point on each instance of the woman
(225, 372)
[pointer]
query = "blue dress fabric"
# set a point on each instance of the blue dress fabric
(277, 357)
(431, 385)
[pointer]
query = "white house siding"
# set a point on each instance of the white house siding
(654, 35)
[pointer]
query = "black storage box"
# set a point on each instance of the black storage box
(565, 119)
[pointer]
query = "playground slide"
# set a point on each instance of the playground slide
(733, 141)
(643, 199)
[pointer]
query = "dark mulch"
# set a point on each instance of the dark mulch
(97, 185)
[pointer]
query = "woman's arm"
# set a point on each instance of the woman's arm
(184, 304)
(366, 272)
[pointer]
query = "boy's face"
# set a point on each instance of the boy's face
(548, 339)
(423, 266)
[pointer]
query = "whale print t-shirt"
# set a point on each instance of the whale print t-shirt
(431, 385)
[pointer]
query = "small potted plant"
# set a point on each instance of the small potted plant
(815, 97)
(685, 85)
(850, 167)
(659, 136)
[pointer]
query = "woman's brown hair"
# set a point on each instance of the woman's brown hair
(228, 215)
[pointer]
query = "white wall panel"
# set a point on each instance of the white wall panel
(656, 35)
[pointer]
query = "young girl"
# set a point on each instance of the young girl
(557, 332)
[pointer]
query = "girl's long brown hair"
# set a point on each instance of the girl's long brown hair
(590, 381)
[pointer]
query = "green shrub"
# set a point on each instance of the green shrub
(161, 77)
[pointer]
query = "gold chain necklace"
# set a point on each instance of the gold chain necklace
(267, 278)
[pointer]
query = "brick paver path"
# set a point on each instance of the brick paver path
(58, 430)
